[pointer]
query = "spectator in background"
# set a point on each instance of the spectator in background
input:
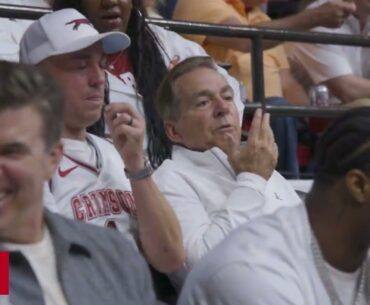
(278, 78)
(11, 30)
(345, 70)
(141, 68)
(95, 182)
(311, 254)
(212, 183)
(53, 260)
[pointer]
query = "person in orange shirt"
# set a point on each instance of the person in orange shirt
(278, 79)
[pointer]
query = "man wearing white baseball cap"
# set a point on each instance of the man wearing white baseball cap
(63, 32)
(95, 182)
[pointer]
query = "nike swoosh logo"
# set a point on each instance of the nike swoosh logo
(277, 196)
(66, 172)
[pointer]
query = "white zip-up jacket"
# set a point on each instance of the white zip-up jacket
(210, 200)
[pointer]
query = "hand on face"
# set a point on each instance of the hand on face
(333, 13)
(259, 155)
(127, 129)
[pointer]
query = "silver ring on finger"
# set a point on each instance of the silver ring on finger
(129, 123)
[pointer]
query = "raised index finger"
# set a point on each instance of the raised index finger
(266, 131)
(254, 131)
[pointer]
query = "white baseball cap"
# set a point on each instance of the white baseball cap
(65, 31)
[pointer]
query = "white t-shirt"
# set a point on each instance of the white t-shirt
(90, 186)
(345, 284)
(41, 257)
(4, 300)
(267, 261)
(323, 61)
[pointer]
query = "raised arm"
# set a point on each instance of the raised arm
(348, 88)
(159, 231)
(330, 14)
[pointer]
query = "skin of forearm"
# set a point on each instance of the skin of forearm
(349, 88)
(159, 231)
(304, 20)
(292, 89)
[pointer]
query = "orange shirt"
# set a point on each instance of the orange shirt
(216, 11)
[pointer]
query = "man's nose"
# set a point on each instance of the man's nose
(107, 3)
(222, 106)
(97, 76)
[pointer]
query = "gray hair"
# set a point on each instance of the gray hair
(167, 103)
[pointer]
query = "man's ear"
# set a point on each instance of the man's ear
(54, 156)
(171, 130)
(358, 185)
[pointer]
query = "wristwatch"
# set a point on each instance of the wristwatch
(146, 171)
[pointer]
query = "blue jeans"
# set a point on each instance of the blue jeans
(285, 132)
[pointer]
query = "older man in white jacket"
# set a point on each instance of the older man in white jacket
(212, 182)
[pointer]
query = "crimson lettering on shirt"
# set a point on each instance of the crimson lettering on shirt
(103, 194)
(78, 213)
(102, 203)
(91, 214)
(97, 203)
(127, 201)
(115, 207)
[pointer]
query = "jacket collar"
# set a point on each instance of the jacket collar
(66, 239)
(213, 158)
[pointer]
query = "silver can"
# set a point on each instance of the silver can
(319, 96)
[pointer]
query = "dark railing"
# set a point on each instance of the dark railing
(22, 11)
(297, 111)
(255, 34)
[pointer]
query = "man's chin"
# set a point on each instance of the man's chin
(225, 143)
(92, 119)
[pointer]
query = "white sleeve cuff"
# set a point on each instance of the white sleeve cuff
(252, 180)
